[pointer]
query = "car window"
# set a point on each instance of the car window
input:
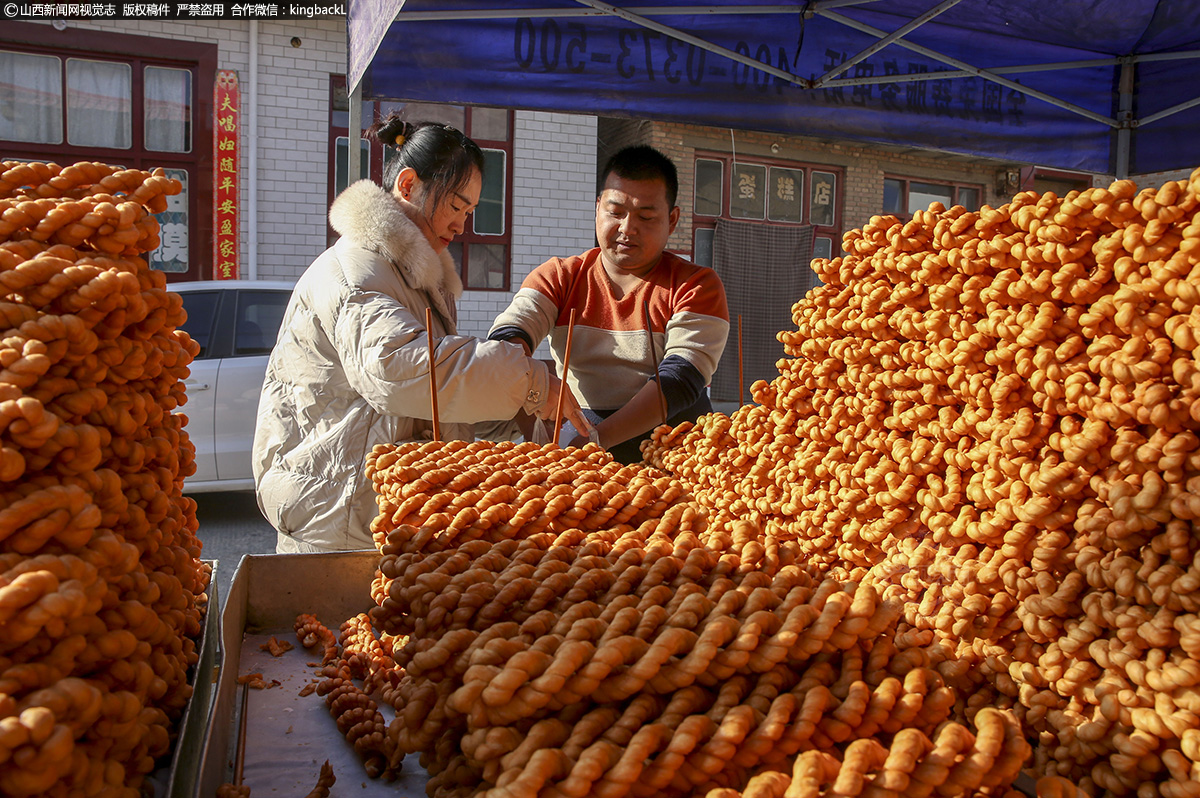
(259, 314)
(201, 307)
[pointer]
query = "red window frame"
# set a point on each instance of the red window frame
(954, 185)
(373, 110)
(199, 58)
(504, 238)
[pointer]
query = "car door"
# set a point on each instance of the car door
(257, 316)
(203, 308)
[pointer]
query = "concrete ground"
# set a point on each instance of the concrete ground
(231, 525)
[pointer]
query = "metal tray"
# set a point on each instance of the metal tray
(287, 737)
(185, 759)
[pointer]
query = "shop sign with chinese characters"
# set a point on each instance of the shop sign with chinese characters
(227, 102)
(171, 255)
(749, 200)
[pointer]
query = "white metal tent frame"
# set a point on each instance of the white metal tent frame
(1122, 121)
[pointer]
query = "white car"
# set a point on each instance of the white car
(236, 323)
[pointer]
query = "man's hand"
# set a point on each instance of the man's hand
(579, 441)
(640, 414)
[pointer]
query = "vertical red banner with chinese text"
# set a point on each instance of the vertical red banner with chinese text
(227, 105)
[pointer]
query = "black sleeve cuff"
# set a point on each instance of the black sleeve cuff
(510, 332)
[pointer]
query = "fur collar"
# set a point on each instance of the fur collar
(371, 218)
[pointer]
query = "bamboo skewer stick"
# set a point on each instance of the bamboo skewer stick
(433, 399)
(741, 383)
(562, 386)
(662, 398)
(239, 759)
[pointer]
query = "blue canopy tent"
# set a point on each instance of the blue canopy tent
(1108, 86)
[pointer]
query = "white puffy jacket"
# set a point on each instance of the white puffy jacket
(350, 370)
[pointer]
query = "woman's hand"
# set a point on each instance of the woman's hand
(570, 407)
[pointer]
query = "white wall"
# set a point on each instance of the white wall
(293, 154)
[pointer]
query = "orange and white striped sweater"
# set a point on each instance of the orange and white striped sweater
(611, 353)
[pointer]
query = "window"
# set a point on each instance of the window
(489, 216)
(259, 314)
(201, 308)
(824, 197)
(31, 103)
(902, 197)
(129, 101)
(748, 193)
(172, 252)
(483, 251)
(784, 203)
(703, 252)
(774, 193)
(168, 109)
(341, 169)
(1061, 181)
(339, 144)
(709, 186)
(99, 104)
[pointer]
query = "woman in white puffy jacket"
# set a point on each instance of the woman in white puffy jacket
(350, 368)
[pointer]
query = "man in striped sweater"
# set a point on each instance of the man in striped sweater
(618, 289)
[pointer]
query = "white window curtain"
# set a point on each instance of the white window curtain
(168, 100)
(98, 104)
(30, 98)
(921, 195)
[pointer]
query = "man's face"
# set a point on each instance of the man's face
(633, 223)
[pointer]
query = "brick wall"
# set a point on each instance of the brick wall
(293, 156)
(613, 135)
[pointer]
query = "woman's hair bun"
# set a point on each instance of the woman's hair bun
(402, 133)
(392, 130)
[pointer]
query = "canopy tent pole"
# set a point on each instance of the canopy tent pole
(252, 157)
(354, 133)
(821, 5)
(1174, 109)
(917, 77)
(976, 71)
(895, 35)
(1125, 117)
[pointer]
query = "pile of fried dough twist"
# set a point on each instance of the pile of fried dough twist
(954, 538)
(102, 591)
